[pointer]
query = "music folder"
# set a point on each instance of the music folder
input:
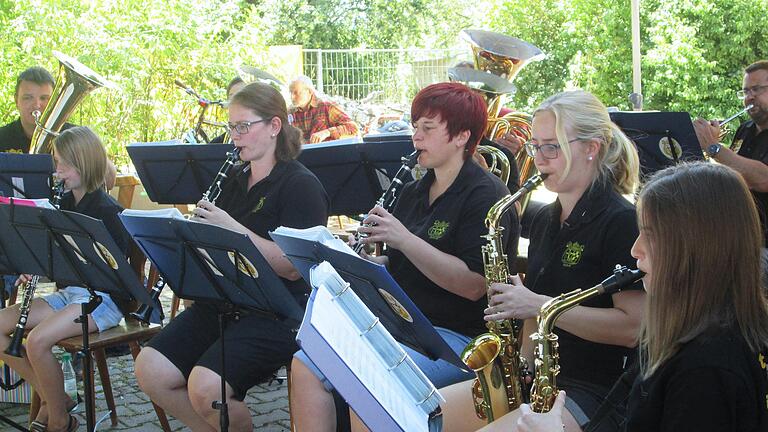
(175, 173)
(371, 282)
(364, 363)
(207, 263)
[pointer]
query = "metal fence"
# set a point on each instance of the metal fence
(385, 75)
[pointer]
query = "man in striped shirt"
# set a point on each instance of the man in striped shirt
(317, 119)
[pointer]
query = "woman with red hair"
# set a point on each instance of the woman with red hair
(433, 238)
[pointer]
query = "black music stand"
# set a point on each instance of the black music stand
(206, 263)
(71, 249)
(174, 173)
(376, 288)
(25, 175)
(354, 173)
(653, 131)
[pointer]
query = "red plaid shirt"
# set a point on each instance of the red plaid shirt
(322, 115)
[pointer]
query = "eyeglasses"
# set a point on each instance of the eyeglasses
(242, 127)
(754, 91)
(548, 151)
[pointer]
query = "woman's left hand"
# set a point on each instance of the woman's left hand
(386, 228)
(209, 213)
(513, 301)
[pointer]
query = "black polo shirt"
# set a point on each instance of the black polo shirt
(454, 224)
(289, 196)
(100, 205)
(13, 139)
(713, 383)
(754, 145)
(597, 235)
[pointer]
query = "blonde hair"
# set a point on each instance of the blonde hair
(583, 113)
(684, 211)
(82, 149)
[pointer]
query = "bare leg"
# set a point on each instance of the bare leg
(39, 311)
(458, 410)
(50, 379)
(166, 386)
(204, 388)
(312, 406)
(508, 423)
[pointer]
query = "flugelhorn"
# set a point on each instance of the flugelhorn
(73, 82)
(14, 348)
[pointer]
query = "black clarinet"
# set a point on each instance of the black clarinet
(388, 198)
(144, 312)
(14, 348)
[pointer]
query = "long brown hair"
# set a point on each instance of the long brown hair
(268, 103)
(81, 148)
(705, 243)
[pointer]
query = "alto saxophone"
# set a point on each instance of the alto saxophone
(547, 359)
(495, 356)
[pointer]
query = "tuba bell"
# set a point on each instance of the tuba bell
(73, 82)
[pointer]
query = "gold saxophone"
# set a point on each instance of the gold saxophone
(547, 359)
(495, 356)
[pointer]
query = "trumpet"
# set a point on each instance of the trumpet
(388, 198)
(14, 348)
(144, 312)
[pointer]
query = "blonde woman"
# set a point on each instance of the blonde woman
(574, 243)
(81, 163)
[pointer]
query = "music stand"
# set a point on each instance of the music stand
(25, 175)
(376, 288)
(354, 173)
(210, 264)
(71, 249)
(175, 173)
(653, 131)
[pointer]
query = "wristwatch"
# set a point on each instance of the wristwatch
(714, 150)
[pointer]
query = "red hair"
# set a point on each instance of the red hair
(461, 108)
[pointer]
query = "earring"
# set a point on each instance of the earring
(589, 158)
(273, 135)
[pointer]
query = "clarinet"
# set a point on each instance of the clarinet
(388, 198)
(144, 312)
(14, 348)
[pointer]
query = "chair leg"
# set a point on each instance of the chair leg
(106, 383)
(34, 406)
(174, 306)
(92, 398)
(135, 348)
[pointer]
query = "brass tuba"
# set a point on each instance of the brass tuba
(498, 59)
(73, 82)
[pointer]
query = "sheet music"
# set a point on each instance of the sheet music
(319, 234)
(370, 352)
(172, 213)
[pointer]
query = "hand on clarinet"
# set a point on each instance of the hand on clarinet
(381, 226)
(551, 421)
(513, 301)
(209, 213)
(23, 278)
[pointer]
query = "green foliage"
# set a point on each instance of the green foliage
(138, 47)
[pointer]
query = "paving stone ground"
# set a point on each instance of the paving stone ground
(268, 402)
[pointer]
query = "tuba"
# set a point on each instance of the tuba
(498, 59)
(73, 82)
(495, 356)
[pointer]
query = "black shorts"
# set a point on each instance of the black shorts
(256, 346)
(582, 398)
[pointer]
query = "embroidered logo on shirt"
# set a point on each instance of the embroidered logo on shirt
(572, 254)
(259, 205)
(737, 145)
(438, 229)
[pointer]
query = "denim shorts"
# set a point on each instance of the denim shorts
(106, 315)
(440, 372)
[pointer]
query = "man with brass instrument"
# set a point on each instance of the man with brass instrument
(318, 120)
(33, 90)
(748, 154)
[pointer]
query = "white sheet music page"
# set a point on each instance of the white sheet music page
(368, 350)
(319, 234)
